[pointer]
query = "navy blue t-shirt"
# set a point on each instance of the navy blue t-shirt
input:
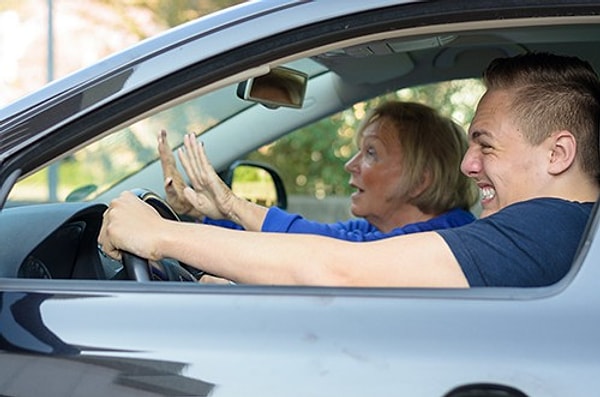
(526, 244)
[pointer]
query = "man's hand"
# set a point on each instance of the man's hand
(130, 225)
(208, 279)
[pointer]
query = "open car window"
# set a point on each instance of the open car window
(309, 144)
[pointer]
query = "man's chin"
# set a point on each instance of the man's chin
(487, 212)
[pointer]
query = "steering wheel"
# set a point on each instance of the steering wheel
(140, 269)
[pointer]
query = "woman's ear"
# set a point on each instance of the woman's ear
(562, 152)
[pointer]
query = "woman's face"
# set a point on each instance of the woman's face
(376, 172)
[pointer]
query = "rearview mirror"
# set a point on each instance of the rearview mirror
(280, 87)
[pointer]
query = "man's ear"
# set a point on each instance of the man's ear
(562, 152)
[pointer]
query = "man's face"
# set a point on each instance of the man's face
(505, 166)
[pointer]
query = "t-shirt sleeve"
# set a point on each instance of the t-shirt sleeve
(527, 244)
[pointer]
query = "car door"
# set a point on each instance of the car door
(90, 332)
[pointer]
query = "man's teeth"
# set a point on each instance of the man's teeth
(488, 193)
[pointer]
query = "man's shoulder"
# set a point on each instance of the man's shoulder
(528, 214)
(544, 204)
(537, 237)
(536, 213)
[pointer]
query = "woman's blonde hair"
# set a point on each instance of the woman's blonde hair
(433, 147)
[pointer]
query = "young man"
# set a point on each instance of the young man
(533, 152)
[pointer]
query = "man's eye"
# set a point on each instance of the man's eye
(486, 148)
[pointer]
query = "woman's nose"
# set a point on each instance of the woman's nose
(351, 165)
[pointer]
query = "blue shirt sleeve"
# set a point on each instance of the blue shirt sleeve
(279, 221)
(527, 244)
(221, 223)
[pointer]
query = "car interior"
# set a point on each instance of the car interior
(233, 120)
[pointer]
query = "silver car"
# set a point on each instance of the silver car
(76, 323)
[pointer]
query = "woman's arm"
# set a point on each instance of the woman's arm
(211, 195)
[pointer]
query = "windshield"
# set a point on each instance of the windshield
(88, 172)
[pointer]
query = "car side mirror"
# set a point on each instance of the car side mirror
(256, 182)
(280, 87)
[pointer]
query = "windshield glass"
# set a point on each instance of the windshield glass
(92, 170)
(89, 171)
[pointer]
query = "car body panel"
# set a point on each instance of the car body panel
(253, 342)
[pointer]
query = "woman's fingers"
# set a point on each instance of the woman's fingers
(167, 161)
(191, 161)
(173, 180)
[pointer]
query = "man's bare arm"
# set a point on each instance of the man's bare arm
(414, 260)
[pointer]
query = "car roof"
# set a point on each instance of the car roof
(157, 57)
(243, 14)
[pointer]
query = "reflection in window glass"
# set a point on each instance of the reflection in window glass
(98, 166)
